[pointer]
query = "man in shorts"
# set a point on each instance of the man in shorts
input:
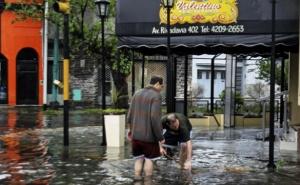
(178, 132)
(145, 128)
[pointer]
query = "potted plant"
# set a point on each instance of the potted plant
(114, 120)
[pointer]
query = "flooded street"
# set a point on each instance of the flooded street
(32, 152)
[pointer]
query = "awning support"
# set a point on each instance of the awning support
(271, 164)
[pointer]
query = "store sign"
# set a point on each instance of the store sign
(220, 16)
(209, 17)
(201, 11)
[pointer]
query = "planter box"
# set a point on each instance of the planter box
(239, 121)
(208, 121)
(115, 130)
(220, 118)
(252, 122)
(199, 121)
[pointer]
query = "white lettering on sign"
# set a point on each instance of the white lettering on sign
(195, 29)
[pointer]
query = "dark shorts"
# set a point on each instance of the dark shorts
(145, 149)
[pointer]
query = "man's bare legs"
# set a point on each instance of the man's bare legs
(148, 167)
(140, 165)
(138, 168)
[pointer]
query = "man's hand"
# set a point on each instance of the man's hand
(161, 149)
(129, 136)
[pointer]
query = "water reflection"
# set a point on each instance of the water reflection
(184, 178)
(115, 153)
(23, 154)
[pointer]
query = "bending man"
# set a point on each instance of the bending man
(178, 131)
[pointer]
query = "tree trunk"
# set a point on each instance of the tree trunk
(121, 85)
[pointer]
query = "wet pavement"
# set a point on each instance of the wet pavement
(32, 152)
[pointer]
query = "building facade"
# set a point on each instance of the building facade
(21, 69)
(201, 76)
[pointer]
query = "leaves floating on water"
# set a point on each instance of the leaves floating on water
(237, 169)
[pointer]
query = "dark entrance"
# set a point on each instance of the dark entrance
(27, 77)
(3, 80)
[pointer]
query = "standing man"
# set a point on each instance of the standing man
(178, 131)
(145, 128)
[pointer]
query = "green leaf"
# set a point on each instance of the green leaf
(112, 111)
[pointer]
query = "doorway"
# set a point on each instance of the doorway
(27, 77)
(3, 80)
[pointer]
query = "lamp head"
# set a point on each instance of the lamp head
(102, 8)
(167, 3)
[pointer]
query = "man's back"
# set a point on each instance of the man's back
(144, 115)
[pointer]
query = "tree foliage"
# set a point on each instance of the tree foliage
(197, 91)
(264, 72)
(257, 91)
(238, 99)
(26, 9)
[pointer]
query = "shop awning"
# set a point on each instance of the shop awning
(230, 44)
(232, 26)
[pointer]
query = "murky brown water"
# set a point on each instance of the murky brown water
(32, 152)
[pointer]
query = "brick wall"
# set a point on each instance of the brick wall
(83, 76)
(180, 77)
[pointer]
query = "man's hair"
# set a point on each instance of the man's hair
(171, 117)
(155, 78)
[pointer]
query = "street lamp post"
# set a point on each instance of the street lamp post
(102, 7)
(168, 4)
(271, 164)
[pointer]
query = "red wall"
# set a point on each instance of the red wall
(15, 37)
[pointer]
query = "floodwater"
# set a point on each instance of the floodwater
(32, 152)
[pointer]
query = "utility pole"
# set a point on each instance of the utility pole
(63, 6)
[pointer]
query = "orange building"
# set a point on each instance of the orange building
(21, 66)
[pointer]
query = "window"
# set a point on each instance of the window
(207, 74)
(222, 75)
(216, 75)
(199, 74)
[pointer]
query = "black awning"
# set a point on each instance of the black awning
(197, 28)
(231, 44)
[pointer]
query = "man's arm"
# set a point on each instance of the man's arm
(156, 123)
(155, 119)
(188, 162)
(162, 151)
(189, 150)
(163, 121)
(129, 120)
